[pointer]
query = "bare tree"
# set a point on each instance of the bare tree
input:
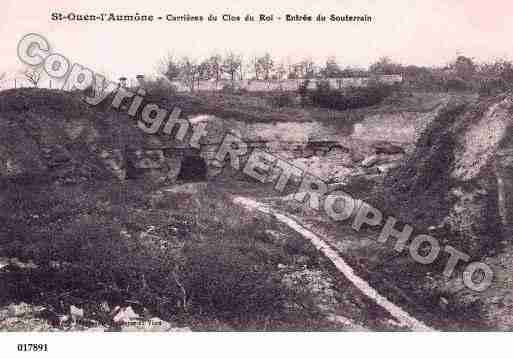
(385, 66)
(498, 68)
(215, 67)
(255, 68)
(189, 71)
(331, 68)
(100, 84)
(289, 67)
(304, 69)
(33, 76)
(203, 72)
(266, 65)
(464, 67)
(307, 68)
(280, 71)
(242, 68)
(169, 67)
(231, 65)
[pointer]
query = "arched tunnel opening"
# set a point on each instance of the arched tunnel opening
(194, 168)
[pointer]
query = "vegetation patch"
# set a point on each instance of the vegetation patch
(181, 256)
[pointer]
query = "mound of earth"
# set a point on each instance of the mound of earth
(459, 178)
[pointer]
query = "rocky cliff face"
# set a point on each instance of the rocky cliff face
(53, 135)
(50, 135)
(457, 179)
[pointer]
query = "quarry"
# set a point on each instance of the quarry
(439, 163)
(175, 173)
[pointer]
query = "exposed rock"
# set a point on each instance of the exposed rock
(370, 161)
(19, 154)
(125, 315)
(174, 165)
(385, 167)
(301, 260)
(188, 188)
(317, 284)
(36, 142)
(4, 262)
(148, 159)
(149, 240)
(76, 312)
(387, 148)
(504, 165)
(55, 135)
(350, 325)
(115, 162)
(20, 309)
(147, 325)
(15, 324)
(75, 128)
(274, 236)
(397, 127)
(453, 178)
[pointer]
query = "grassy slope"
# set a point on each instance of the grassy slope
(128, 243)
(257, 108)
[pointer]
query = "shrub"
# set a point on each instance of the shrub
(457, 84)
(283, 99)
(229, 88)
(303, 91)
(350, 98)
(492, 87)
(203, 259)
(159, 87)
(223, 278)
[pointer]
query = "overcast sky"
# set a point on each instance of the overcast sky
(413, 32)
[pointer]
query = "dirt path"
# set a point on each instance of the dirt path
(395, 311)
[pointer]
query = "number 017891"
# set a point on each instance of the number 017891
(32, 347)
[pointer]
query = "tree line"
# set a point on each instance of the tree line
(462, 73)
(234, 66)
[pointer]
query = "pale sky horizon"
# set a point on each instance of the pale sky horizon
(421, 33)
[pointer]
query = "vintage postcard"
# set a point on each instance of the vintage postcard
(173, 167)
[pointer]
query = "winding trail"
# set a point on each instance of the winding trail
(395, 311)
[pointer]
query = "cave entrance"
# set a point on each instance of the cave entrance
(194, 168)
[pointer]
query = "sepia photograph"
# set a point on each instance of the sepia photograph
(300, 169)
